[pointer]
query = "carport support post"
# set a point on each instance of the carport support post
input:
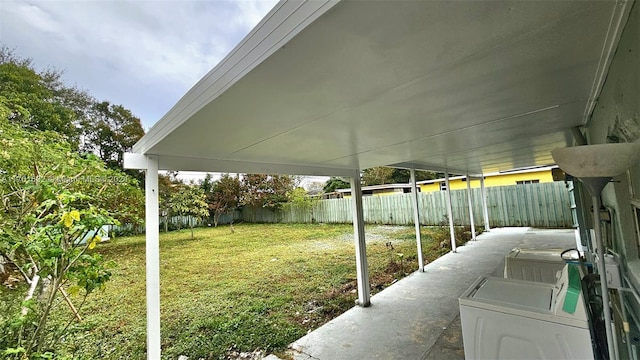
(452, 231)
(470, 201)
(149, 163)
(362, 270)
(416, 219)
(152, 258)
(485, 209)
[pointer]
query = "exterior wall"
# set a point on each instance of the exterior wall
(616, 118)
(512, 179)
(425, 188)
(491, 181)
(384, 192)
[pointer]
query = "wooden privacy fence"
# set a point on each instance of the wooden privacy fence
(173, 223)
(543, 205)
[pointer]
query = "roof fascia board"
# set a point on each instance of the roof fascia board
(380, 187)
(434, 181)
(281, 24)
(177, 163)
(617, 24)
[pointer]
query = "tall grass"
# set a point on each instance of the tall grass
(254, 287)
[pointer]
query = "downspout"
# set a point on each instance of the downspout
(578, 136)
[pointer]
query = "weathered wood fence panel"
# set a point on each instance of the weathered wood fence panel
(544, 205)
(539, 205)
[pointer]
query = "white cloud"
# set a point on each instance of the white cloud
(142, 54)
(251, 12)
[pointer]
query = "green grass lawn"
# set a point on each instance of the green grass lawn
(258, 287)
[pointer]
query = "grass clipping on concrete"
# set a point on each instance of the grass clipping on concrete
(256, 287)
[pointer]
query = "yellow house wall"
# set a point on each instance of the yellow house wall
(510, 179)
(429, 187)
(490, 181)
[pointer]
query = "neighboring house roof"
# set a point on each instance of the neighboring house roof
(378, 187)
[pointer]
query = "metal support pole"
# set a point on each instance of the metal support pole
(606, 310)
(362, 270)
(416, 219)
(485, 209)
(452, 231)
(470, 201)
(152, 258)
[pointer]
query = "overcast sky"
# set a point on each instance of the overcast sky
(142, 54)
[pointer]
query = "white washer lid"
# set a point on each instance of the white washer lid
(516, 294)
(546, 255)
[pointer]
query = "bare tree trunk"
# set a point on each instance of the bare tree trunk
(32, 289)
(35, 342)
(71, 306)
(191, 223)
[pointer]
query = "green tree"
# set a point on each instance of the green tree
(31, 103)
(189, 201)
(166, 188)
(224, 196)
(299, 198)
(79, 101)
(41, 100)
(268, 191)
(207, 183)
(335, 183)
(51, 199)
(111, 131)
(385, 175)
(377, 176)
(399, 176)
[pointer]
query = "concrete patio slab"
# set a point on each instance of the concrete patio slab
(418, 317)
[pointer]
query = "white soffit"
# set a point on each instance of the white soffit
(328, 87)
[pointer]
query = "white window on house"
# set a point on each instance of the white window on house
(522, 182)
(443, 186)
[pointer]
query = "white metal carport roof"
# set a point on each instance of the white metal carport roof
(325, 86)
(332, 87)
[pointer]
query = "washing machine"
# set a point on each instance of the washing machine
(515, 319)
(540, 265)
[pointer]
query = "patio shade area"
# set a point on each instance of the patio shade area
(418, 317)
(333, 87)
(328, 87)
